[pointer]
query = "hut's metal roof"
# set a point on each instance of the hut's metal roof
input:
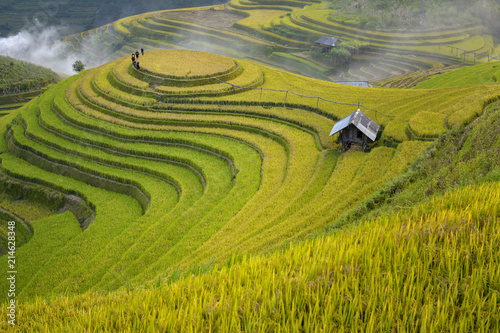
(325, 40)
(361, 121)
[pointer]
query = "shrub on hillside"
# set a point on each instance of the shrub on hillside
(338, 55)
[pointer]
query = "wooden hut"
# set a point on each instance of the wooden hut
(326, 43)
(356, 129)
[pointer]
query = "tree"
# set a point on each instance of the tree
(78, 66)
(340, 55)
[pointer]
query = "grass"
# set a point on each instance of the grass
(472, 75)
(421, 253)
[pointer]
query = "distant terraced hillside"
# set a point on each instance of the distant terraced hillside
(197, 157)
(78, 15)
(281, 34)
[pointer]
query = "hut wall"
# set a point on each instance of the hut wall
(353, 135)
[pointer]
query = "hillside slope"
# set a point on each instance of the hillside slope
(424, 265)
(20, 81)
(169, 166)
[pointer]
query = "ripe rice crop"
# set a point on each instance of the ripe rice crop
(121, 71)
(172, 64)
(251, 76)
(105, 88)
(420, 257)
(427, 124)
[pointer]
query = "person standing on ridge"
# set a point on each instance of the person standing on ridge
(133, 58)
(142, 50)
(137, 54)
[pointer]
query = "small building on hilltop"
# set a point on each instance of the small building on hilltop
(357, 128)
(327, 43)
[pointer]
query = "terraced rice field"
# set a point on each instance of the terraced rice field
(330, 284)
(281, 33)
(182, 166)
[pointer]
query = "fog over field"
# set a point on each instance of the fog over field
(43, 46)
